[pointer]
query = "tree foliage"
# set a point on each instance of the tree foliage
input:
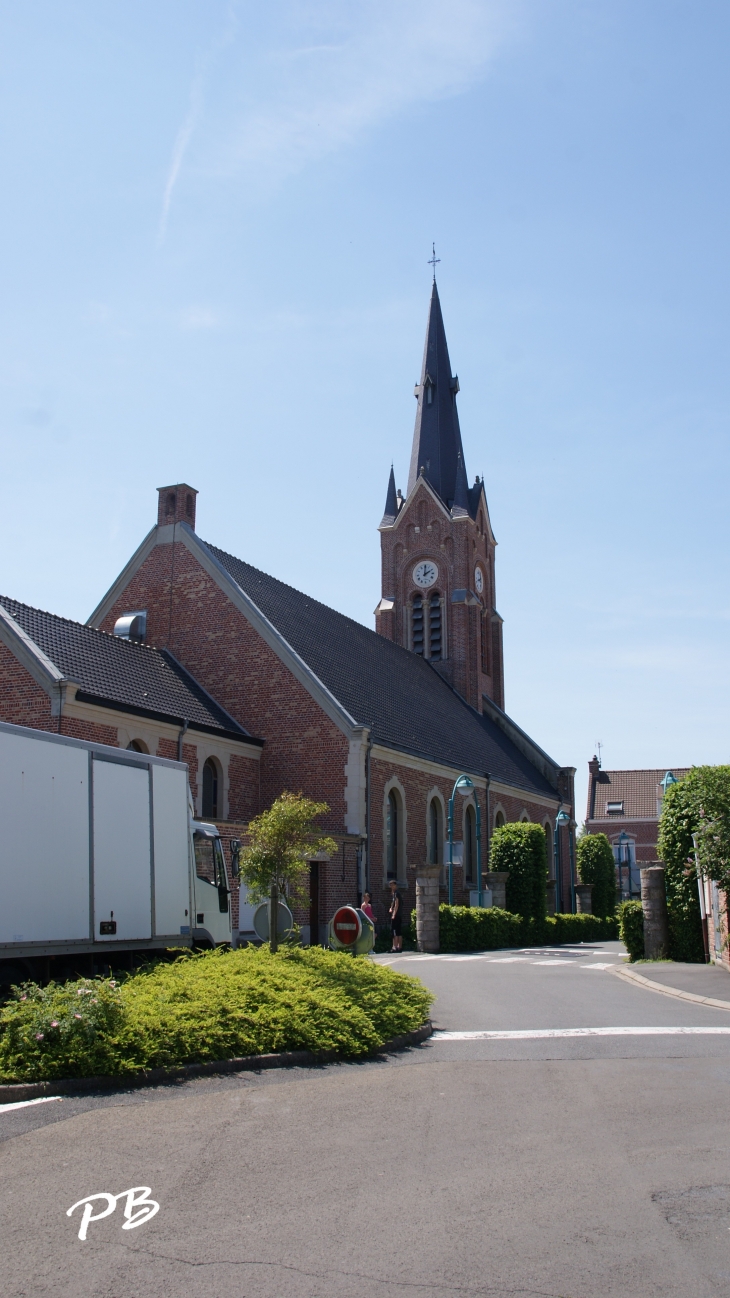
(520, 849)
(597, 867)
(282, 841)
(699, 804)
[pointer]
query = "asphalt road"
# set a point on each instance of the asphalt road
(564, 1165)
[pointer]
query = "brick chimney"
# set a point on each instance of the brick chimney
(176, 505)
(594, 767)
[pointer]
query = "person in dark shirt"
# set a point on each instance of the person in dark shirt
(396, 917)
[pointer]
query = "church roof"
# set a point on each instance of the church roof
(121, 673)
(437, 437)
(398, 694)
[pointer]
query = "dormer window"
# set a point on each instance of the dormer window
(615, 808)
(428, 387)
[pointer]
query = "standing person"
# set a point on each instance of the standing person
(367, 907)
(396, 917)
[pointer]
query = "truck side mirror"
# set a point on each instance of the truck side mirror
(235, 854)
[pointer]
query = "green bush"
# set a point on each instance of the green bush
(469, 928)
(210, 1006)
(690, 807)
(520, 848)
(631, 928)
(596, 866)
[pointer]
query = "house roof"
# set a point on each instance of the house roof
(123, 673)
(404, 701)
(638, 792)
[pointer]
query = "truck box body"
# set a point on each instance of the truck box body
(96, 850)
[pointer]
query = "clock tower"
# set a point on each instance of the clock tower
(437, 545)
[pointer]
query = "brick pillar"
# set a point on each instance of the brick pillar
(583, 899)
(497, 881)
(654, 903)
(427, 907)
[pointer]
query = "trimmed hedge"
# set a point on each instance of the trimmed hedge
(210, 1006)
(596, 866)
(631, 928)
(470, 928)
(520, 848)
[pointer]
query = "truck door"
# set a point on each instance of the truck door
(212, 894)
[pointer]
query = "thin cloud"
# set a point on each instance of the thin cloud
(313, 77)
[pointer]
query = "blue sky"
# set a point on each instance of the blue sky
(215, 228)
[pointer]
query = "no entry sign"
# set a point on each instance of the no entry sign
(346, 925)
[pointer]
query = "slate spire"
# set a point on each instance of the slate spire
(391, 503)
(460, 506)
(437, 437)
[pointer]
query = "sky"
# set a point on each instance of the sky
(215, 229)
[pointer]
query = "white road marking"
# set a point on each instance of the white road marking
(23, 1104)
(532, 1034)
(596, 966)
(555, 962)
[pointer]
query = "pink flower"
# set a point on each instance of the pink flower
(54, 1024)
(24, 998)
(39, 1036)
(77, 1016)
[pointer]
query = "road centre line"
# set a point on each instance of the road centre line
(534, 1034)
(23, 1104)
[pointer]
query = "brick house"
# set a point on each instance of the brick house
(626, 806)
(378, 724)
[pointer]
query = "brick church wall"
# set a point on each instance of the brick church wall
(304, 751)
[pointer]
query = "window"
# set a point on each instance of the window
(189, 505)
(209, 864)
(392, 831)
(170, 503)
(434, 627)
(435, 832)
(211, 805)
(136, 746)
(615, 808)
(470, 845)
(499, 820)
(417, 625)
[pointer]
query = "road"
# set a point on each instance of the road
(557, 1166)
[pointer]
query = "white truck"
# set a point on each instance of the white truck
(100, 854)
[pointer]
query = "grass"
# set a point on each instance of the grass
(210, 1006)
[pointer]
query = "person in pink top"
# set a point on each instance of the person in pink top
(367, 907)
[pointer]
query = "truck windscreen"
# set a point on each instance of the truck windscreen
(209, 863)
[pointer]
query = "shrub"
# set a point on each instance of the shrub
(520, 848)
(468, 928)
(597, 867)
(698, 804)
(210, 1006)
(631, 928)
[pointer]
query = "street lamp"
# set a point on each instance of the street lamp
(464, 785)
(561, 819)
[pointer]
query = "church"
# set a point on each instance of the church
(194, 653)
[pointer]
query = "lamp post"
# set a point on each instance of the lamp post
(561, 819)
(464, 785)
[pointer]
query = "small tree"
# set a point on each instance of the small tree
(699, 804)
(281, 843)
(520, 848)
(597, 867)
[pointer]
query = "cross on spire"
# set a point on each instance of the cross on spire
(434, 261)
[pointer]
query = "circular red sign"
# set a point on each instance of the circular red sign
(346, 925)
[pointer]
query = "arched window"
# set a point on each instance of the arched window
(136, 746)
(211, 804)
(392, 835)
(435, 832)
(170, 503)
(417, 624)
(434, 627)
(470, 845)
(499, 820)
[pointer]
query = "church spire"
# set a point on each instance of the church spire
(460, 507)
(436, 437)
(391, 502)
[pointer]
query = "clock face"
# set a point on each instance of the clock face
(425, 574)
(478, 580)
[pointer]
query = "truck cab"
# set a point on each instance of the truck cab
(211, 892)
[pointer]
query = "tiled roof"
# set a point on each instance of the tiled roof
(122, 672)
(638, 791)
(381, 685)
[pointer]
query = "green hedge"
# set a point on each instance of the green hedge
(211, 1006)
(469, 928)
(520, 848)
(631, 928)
